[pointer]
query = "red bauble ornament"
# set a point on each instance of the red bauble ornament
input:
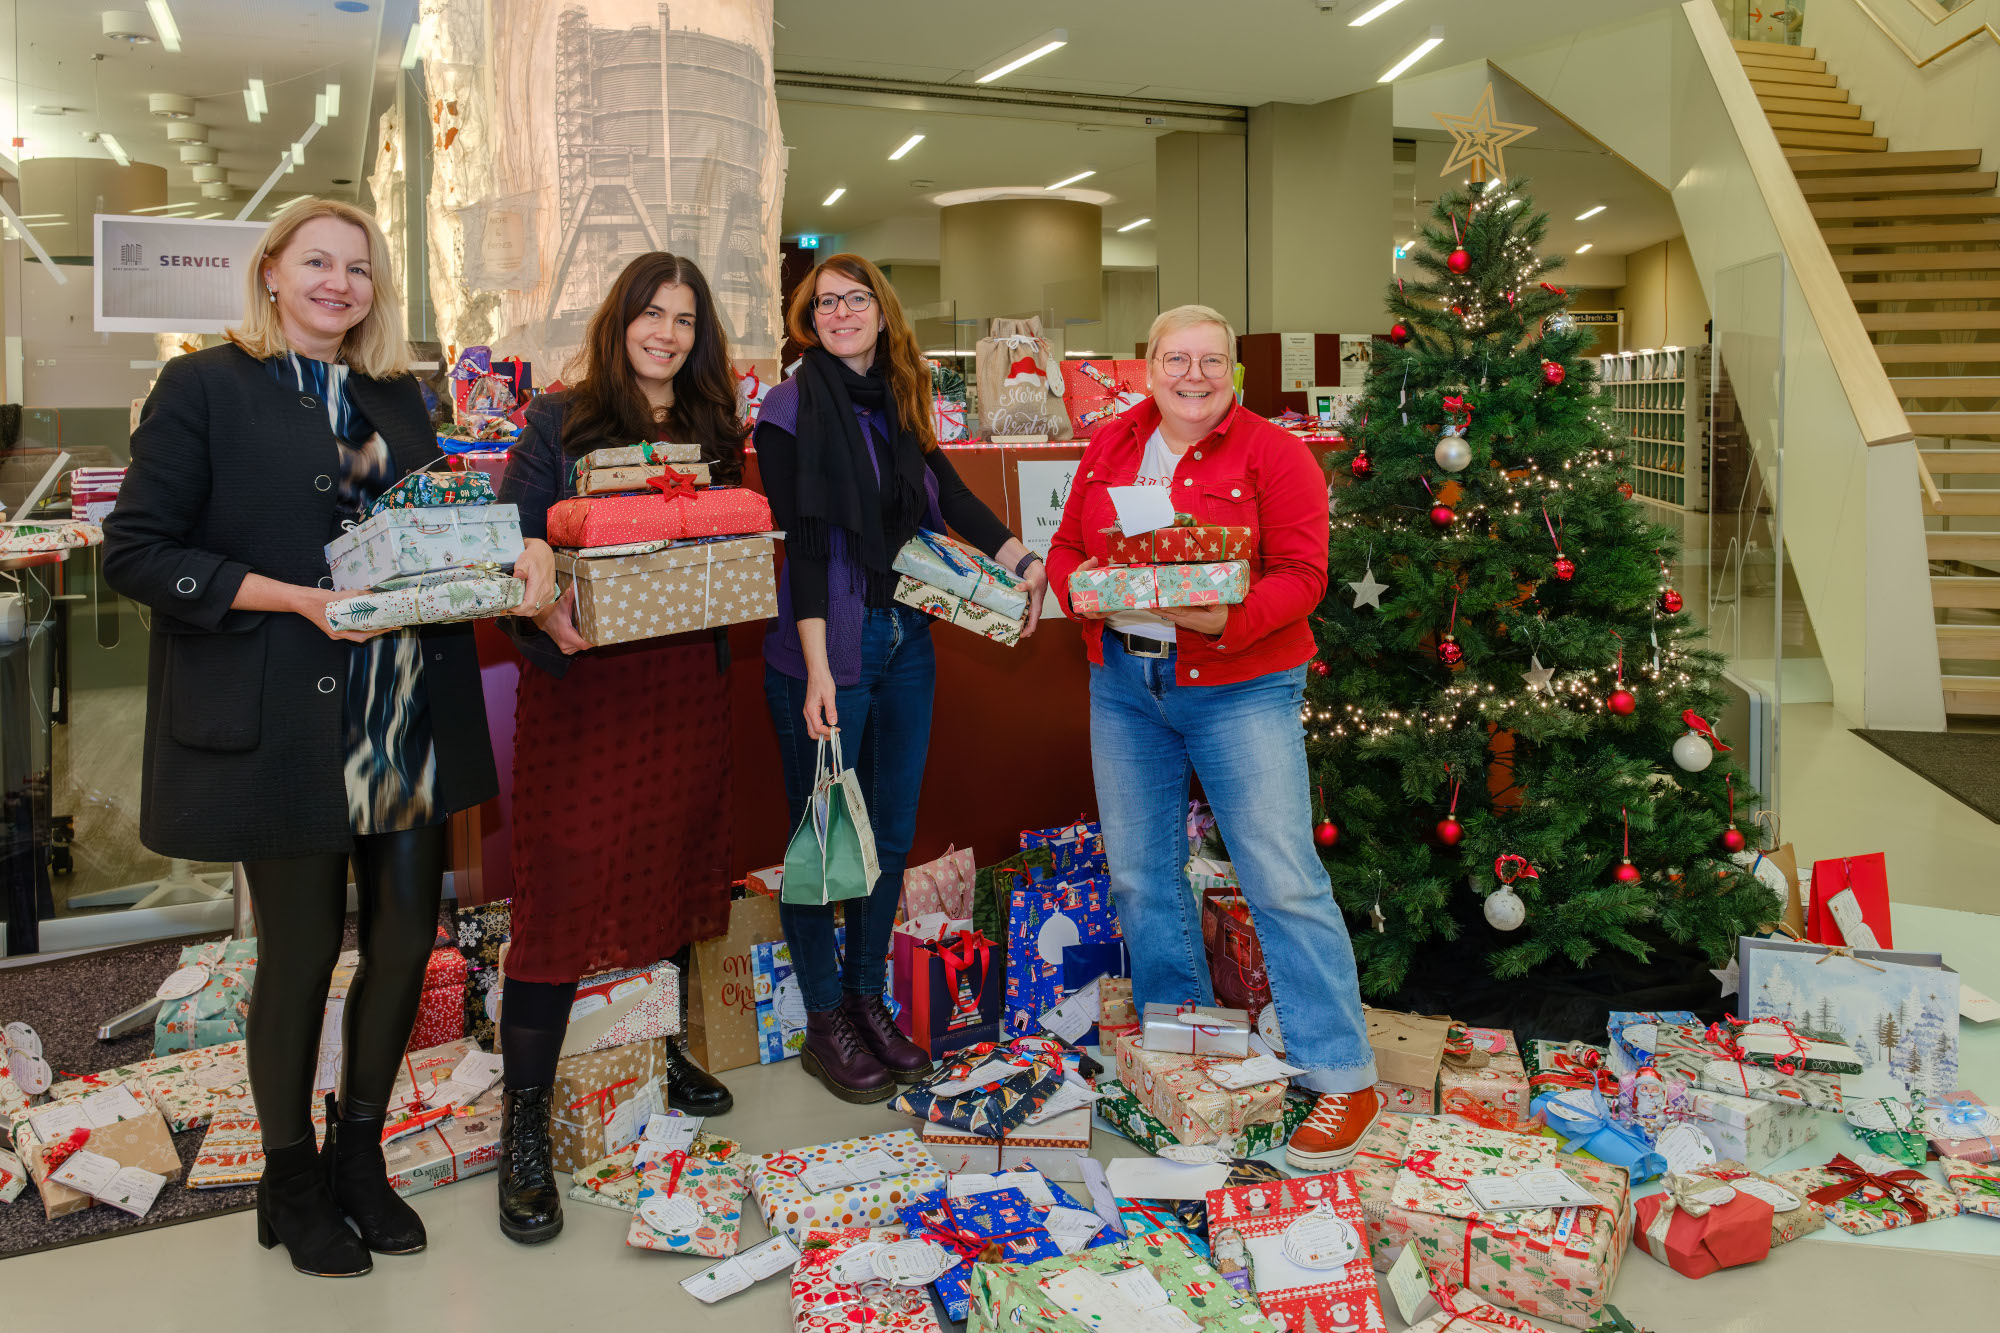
(1625, 489)
(1458, 261)
(1399, 333)
(1553, 373)
(1626, 873)
(1565, 567)
(1449, 652)
(1442, 515)
(1449, 831)
(1622, 702)
(1360, 466)
(1733, 840)
(1670, 602)
(1326, 833)
(1320, 668)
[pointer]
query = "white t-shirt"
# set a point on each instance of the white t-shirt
(1155, 469)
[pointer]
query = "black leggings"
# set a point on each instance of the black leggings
(301, 904)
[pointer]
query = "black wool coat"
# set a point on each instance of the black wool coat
(232, 474)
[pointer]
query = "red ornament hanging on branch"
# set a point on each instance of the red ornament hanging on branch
(1565, 567)
(1670, 601)
(1457, 261)
(1448, 650)
(1733, 840)
(1622, 703)
(1399, 333)
(1553, 373)
(1626, 873)
(1360, 466)
(1449, 830)
(1326, 833)
(1625, 489)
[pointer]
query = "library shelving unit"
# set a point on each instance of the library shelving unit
(1660, 400)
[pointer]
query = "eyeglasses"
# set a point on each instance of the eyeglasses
(857, 301)
(1178, 364)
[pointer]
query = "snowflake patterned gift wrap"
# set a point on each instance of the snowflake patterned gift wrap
(1687, 1055)
(960, 611)
(468, 596)
(399, 542)
(1182, 1094)
(853, 1182)
(678, 511)
(1304, 1243)
(1864, 1198)
(1160, 1272)
(1976, 1185)
(946, 563)
(1141, 587)
(826, 1299)
(687, 1204)
(687, 587)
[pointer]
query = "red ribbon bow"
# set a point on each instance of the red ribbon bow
(1455, 405)
(1557, 290)
(1894, 1184)
(679, 1158)
(956, 1237)
(957, 959)
(674, 484)
(1695, 723)
(602, 1099)
(1420, 1164)
(1581, 1068)
(1508, 867)
(1465, 1106)
(1728, 1034)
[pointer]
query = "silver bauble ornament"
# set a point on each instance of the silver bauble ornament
(1693, 753)
(1453, 454)
(1560, 322)
(1505, 910)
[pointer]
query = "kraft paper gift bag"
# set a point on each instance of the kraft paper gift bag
(1020, 382)
(722, 987)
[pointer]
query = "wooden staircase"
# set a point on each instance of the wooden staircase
(1916, 238)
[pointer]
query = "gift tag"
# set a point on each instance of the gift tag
(1716, 1195)
(730, 1276)
(1410, 1286)
(1071, 1224)
(88, 1172)
(1643, 1037)
(1845, 909)
(1321, 1240)
(133, 1190)
(823, 1176)
(992, 1071)
(1068, 1097)
(1882, 1115)
(877, 1165)
(56, 1123)
(1686, 1149)
(30, 1072)
(1267, 1028)
(1731, 1076)
(1075, 1016)
(1057, 933)
(1529, 1191)
(791, 1003)
(913, 1263)
(221, 1074)
(1781, 1199)
(670, 1132)
(110, 1106)
(182, 982)
(671, 1214)
(1959, 1120)
(1194, 1154)
(1248, 1073)
(21, 1037)
(1141, 509)
(856, 1265)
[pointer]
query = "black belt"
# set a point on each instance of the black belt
(1141, 645)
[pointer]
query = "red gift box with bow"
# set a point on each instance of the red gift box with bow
(1728, 1235)
(1096, 391)
(675, 510)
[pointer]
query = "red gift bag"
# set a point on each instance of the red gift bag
(948, 980)
(1868, 876)
(1096, 391)
(1235, 958)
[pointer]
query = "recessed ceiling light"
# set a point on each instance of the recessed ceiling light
(1135, 222)
(257, 92)
(833, 198)
(1052, 40)
(905, 147)
(1585, 246)
(1589, 213)
(187, 131)
(170, 106)
(1423, 48)
(161, 208)
(343, 180)
(125, 25)
(1373, 14)
(1071, 180)
(111, 146)
(163, 23)
(298, 154)
(320, 113)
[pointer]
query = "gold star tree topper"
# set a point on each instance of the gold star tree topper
(1476, 140)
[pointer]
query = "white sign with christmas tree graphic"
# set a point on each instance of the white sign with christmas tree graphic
(1898, 1010)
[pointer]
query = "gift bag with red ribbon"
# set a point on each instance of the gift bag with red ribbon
(949, 982)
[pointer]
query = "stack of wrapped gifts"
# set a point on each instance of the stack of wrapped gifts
(944, 577)
(433, 548)
(1185, 563)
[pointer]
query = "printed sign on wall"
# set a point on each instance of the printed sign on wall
(170, 275)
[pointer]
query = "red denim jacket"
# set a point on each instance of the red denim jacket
(1247, 473)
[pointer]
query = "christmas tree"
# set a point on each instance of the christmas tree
(1506, 715)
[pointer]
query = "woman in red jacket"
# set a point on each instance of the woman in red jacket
(1217, 690)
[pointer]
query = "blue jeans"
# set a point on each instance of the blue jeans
(1248, 744)
(885, 733)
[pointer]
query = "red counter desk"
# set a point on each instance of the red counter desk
(1010, 741)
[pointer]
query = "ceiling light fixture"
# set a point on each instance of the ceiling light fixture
(905, 147)
(410, 47)
(833, 198)
(257, 91)
(1071, 180)
(216, 214)
(1135, 222)
(1589, 213)
(1585, 246)
(187, 131)
(333, 99)
(250, 106)
(125, 25)
(163, 23)
(320, 116)
(170, 106)
(1373, 14)
(161, 208)
(208, 173)
(111, 146)
(298, 154)
(1423, 48)
(1052, 40)
(195, 153)
(217, 191)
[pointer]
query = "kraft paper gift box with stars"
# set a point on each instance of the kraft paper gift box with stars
(633, 479)
(701, 585)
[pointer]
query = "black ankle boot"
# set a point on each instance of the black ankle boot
(530, 1205)
(359, 1179)
(294, 1206)
(692, 1090)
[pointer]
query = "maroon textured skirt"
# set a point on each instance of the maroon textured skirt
(622, 774)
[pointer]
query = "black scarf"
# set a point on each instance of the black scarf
(837, 485)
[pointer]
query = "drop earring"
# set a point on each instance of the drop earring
(272, 292)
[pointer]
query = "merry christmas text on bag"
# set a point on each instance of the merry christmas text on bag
(1020, 382)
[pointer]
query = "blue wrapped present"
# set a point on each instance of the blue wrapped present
(218, 1012)
(1085, 963)
(1627, 1054)
(1044, 918)
(1076, 851)
(992, 1108)
(971, 1227)
(1587, 1125)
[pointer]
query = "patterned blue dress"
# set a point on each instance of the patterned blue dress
(391, 769)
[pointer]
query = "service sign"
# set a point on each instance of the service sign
(170, 275)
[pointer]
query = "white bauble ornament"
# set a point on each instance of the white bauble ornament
(1693, 753)
(1453, 454)
(1505, 910)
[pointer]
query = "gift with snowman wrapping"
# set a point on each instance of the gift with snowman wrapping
(861, 1181)
(1045, 917)
(1182, 1092)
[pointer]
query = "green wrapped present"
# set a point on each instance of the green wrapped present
(422, 490)
(960, 611)
(954, 567)
(468, 595)
(1555, 1066)
(219, 1011)
(1130, 1118)
(1143, 587)
(1037, 1296)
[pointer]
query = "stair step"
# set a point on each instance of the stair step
(1745, 47)
(1958, 425)
(1947, 462)
(1967, 546)
(1925, 321)
(1921, 233)
(1785, 120)
(1972, 696)
(1816, 139)
(1905, 210)
(1770, 74)
(1786, 63)
(1805, 106)
(1920, 261)
(1952, 289)
(1937, 354)
(1979, 594)
(1943, 159)
(1804, 92)
(1970, 643)
(1929, 182)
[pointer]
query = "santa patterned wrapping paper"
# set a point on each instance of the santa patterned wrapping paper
(1195, 1109)
(1007, 1298)
(997, 1106)
(714, 1223)
(635, 479)
(823, 1304)
(1265, 1226)
(1496, 1076)
(949, 564)
(1140, 587)
(681, 513)
(1753, 1132)
(1554, 1066)
(188, 1087)
(1862, 1200)
(1128, 1115)
(638, 455)
(1633, 1033)
(1185, 543)
(217, 1012)
(473, 596)
(1961, 1125)
(968, 1227)
(1976, 1185)
(935, 602)
(700, 585)
(1441, 1155)
(1787, 1224)
(425, 490)
(1685, 1055)
(463, 1144)
(417, 541)
(1044, 917)
(783, 1183)
(590, 1087)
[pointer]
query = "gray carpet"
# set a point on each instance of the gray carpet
(1965, 764)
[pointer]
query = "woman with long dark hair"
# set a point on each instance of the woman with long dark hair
(621, 754)
(850, 463)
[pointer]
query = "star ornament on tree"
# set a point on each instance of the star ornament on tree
(1367, 592)
(1539, 677)
(1476, 140)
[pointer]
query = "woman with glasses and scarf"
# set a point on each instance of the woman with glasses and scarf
(850, 463)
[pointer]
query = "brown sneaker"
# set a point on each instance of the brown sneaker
(1328, 1139)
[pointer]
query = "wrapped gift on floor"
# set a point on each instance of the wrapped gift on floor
(1305, 1246)
(1633, 1033)
(654, 996)
(676, 511)
(187, 1086)
(1752, 1131)
(615, 1181)
(1494, 1073)
(1866, 995)
(463, 1144)
(638, 455)
(1187, 542)
(946, 977)
(1378, 1160)
(825, 1299)
(1891, 1126)
(13, 1177)
(852, 1182)
(481, 930)
(1143, 587)
(1014, 1081)
(1115, 1011)
(400, 542)
(1130, 1117)
(121, 1124)
(217, 1012)
(1442, 1155)
(955, 568)
(1076, 851)
(1044, 918)
(1409, 1054)
(651, 594)
(462, 594)
(1054, 1146)
(1976, 1185)
(1179, 1289)
(1961, 1125)
(1181, 1092)
(960, 611)
(1466, 1313)
(636, 478)
(1686, 1055)
(1791, 1216)
(1188, 1029)
(1864, 1198)
(687, 1204)
(973, 1229)
(426, 490)
(1587, 1124)
(232, 1152)
(1184, 1218)
(1553, 1066)
(1685, 1229)
(590, 1091)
